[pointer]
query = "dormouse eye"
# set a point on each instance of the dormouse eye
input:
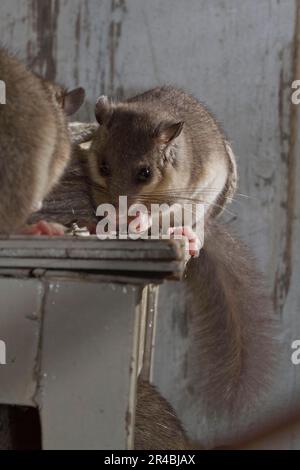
(144, 174)
(104, 169)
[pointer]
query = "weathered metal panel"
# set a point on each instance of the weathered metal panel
(20, 311)
(86, 365)
(74, 349)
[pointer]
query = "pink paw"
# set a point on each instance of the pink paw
(42, 227)
(194, 243)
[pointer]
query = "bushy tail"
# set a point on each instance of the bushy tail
(157, 426)
(231, 324)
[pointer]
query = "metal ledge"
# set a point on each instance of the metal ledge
(161, 258)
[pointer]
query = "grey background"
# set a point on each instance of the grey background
(239, 57)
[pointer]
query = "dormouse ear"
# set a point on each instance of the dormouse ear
(167, 131)
(103, 110)
(73, 100)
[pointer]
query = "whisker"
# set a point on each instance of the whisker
(196, 201)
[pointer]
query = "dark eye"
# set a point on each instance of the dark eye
(104, 169)
(144, 174)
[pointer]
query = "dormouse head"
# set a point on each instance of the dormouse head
(135, 150)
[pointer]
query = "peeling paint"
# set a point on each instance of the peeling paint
(44, 22)
(77, 45)
(118, 10)
(285, 265)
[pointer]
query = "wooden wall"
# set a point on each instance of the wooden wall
(238, 56)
